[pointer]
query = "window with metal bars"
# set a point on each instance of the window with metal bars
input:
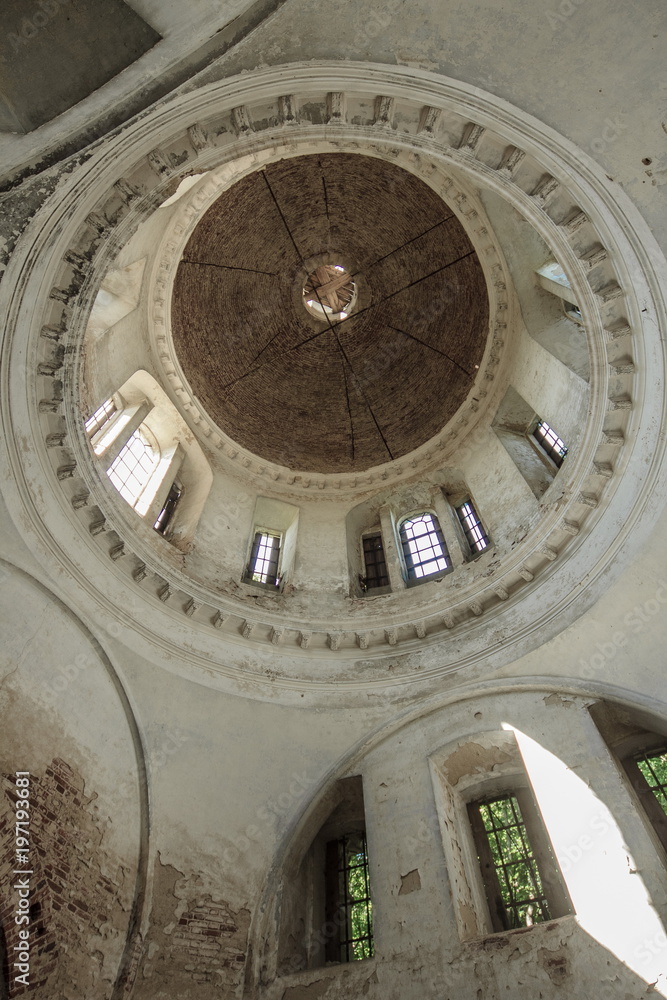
(264, 557)
(513, 880)
(375, 562)
(348, 906)
(550, 443)
(476, 536)
(653, 767)
(133, 467)
(647, 772)
(163, 519)
(100, 417)
(424, 549)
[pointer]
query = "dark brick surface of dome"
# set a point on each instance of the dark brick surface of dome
(325, 393)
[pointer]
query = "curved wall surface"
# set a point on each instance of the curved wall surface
(195, 742)
(69, 732)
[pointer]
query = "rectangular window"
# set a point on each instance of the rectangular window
(512, 878)
(348, 901)
(375, 563)
(167, 512)
(654, 770)
(263, 567)
(550, 442)
(133, 467)
(423, 546)
(100, 417)
(472, 526)
(647, 772)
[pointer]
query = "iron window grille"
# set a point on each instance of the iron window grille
(100, 417)
(653, 767)
(647, 772)
(263, 566)
(477, 538)
(550, 442)
(166, 514)
(133, 467)
(423, 545)
(375, 562)
(512, 878)
(348, 905)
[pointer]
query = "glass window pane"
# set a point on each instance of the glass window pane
(518, 876)
(375, 563)
(263, 567)
(166, 514)
(100, 417)
(355, 910)
(550, 442)
(423, 546)
(133, 467)
(472, 527)
(653, 767)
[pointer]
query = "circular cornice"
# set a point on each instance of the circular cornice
(256, 471)
(611, 260)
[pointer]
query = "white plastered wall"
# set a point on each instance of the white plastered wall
(234, 757)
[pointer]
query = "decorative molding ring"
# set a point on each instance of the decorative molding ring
(567, 198)
(468, 209)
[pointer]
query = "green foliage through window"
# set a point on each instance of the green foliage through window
(653, 767)
(356, 909)
(516, 870)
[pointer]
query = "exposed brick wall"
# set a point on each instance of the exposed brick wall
(196, 947)
(78, 892)
(206, 935)
(287, 387)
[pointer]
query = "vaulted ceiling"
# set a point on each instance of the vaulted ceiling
(330, 394)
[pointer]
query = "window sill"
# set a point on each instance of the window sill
(476, 556)
(498, 937)
(547, 460)
(330, 971)
(266, 588)
(431, 578)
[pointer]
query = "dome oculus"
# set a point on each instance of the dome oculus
(330, 292)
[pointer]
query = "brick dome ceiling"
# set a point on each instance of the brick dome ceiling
(313, 387)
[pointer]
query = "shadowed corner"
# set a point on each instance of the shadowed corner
(39, 43)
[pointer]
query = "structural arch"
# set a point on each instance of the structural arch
(481, 734)
(79, 768)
